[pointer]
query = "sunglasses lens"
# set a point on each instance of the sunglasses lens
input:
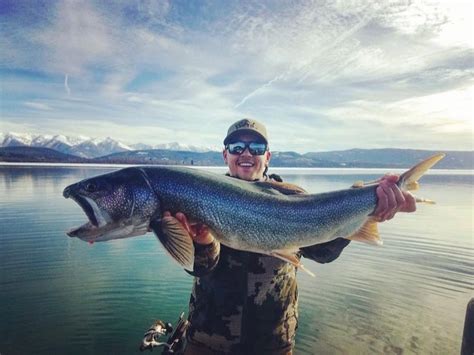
(257, 148)
(236, 148)
(254, 148)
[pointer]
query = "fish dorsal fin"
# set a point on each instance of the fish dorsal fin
(290, 258)
(175, 239)
(283, 187)
(368, 233)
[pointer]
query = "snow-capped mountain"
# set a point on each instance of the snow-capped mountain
(80, 146)
(16, 139)
(87, 147)
(175, 146)
(60, 143)
(31, 140)
(97, 148)
(40, 141)
(141, 146)
(184, 147)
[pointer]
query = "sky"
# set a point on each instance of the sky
(321, 75)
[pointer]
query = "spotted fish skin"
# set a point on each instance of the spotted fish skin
(244, 216)
(248, 216)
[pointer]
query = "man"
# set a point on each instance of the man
(243, 302)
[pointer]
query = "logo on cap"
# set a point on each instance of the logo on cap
(244, 123)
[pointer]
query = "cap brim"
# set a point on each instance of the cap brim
(231, 136)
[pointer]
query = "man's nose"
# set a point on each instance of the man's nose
(246, 152)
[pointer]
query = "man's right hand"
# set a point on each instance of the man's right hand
(198, 232)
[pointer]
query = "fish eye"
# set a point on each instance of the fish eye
(91, 187)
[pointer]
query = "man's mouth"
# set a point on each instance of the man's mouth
(245, 164)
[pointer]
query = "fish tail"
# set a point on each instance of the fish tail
(409, 179)
(368, 233)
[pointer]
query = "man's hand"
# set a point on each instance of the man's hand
(391, 199)
(198, 232)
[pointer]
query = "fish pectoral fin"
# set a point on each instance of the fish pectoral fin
(368, 233)
(290, 258)
(175, 239)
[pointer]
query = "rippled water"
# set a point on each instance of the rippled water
(61, 295)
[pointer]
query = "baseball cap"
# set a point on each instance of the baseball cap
(247, 125)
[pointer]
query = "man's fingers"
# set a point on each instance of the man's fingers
(201, 229)
(391, 202)
(203, 235)
(198, 232)
(181, 217)
(393, 206)
(410, 202)
(391, 199)
(382, 203)
(184, 221)
(390, 178)
(399, 200)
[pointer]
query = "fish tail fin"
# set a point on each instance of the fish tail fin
(369, 233)
(409, 179)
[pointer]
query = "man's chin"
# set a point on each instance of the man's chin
(247, 174)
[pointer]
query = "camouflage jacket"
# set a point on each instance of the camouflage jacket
(246, 303)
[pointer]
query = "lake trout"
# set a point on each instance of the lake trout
(251, 216)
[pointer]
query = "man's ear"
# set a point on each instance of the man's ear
(269, 155)
(224, 154)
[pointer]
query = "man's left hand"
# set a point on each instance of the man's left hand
(391, 199)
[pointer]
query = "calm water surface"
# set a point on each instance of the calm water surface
(61, 295)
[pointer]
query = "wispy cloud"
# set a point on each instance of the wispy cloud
(37, 106)
(78, 36)
(66, 84)
(160, 71)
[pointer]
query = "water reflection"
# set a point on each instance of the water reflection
(408, 296)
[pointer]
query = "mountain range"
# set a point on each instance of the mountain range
(85, 147)
(62, 149)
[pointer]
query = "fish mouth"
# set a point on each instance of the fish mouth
(100, 226)
(87, 208)
(92, 227)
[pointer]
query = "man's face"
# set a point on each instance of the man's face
(246, 166)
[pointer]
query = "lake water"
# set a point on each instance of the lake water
(61, 295)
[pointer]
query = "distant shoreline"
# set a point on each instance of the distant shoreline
(328, 171)
(387, 159)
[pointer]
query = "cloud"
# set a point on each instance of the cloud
(66, 84)
(79, 36)
(326, 69)
(37, 106)
(332, 44)
(454, 106)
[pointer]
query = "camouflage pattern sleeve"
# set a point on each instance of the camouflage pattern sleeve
(206, 258)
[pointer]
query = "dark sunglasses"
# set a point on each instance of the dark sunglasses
(255, 148)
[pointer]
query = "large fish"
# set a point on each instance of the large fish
(251, 216)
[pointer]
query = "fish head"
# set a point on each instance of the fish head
(118, 205)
